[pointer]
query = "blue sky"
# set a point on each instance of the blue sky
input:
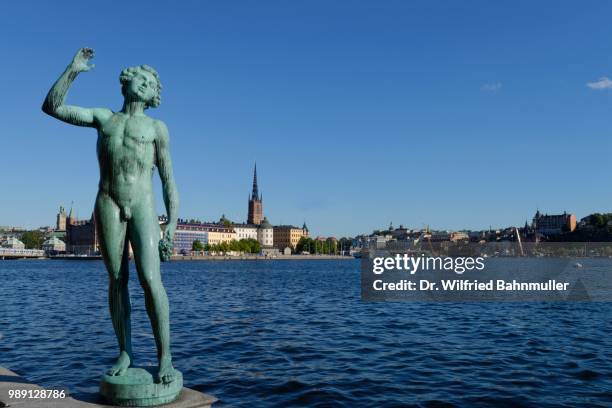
(452, 114)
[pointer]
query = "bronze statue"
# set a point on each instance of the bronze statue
(130, 145)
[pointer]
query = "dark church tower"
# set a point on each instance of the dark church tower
(255, 205)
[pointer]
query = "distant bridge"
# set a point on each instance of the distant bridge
(13, 253)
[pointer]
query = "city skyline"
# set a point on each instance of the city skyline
(459, 116)
(187, 220)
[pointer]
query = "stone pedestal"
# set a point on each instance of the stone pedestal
(187, 398)
(137, 388)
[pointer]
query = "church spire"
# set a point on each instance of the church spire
(255, 215)
(255, 193)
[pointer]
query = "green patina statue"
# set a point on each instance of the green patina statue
(130, 144)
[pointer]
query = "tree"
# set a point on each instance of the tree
(197, 246)
(33, 239)
(255, 246)
(305, 245)
(224, 247)
(245, 245)
(597, 220)
(345, 244)
(332, 246)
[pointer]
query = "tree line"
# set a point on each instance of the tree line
(312, 246)
(245, 245)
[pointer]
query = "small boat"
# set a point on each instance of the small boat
(577, 265)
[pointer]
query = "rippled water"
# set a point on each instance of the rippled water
(295, 333)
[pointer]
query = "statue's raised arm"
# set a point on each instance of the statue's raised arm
(75, 115)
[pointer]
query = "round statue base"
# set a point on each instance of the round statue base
(136, 388)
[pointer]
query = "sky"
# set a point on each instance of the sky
(449, 114)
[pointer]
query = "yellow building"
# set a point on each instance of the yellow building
(219, 235)
(288, 236)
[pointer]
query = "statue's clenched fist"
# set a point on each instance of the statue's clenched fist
(81, 60)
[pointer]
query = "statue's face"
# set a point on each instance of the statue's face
(143, 87)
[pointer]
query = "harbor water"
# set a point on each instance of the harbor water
(290, 333)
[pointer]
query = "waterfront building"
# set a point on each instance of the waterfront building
(265, 237)
(246, 231)
(12, 243)
(255, 214)
(265, 234)
(186, 234)
(54, 245)
(216, 233)
(219, 234)
(288, 236)
(378, 241)
(206, 232)
(81, 236)
(553, 224)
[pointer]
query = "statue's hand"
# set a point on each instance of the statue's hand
(165, 249)
(166, 244)
(81, 59)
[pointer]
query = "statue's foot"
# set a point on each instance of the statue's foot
(121, 365)
(166, 372)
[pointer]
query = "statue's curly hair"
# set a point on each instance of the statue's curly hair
(127, 74)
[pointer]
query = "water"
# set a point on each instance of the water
(295, 333)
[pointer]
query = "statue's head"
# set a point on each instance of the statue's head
(141, 83)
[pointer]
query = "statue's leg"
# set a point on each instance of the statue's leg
(114, 248)
(144, 233)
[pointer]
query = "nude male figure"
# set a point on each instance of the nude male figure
(130, 144)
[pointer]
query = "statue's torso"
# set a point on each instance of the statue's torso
(126, 154)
